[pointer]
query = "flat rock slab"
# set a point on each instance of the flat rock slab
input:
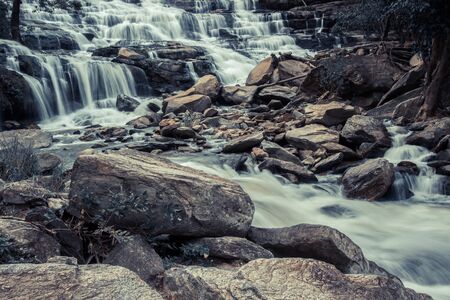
(34, 138)
(282, 279)
(63, 281)
(134, 190)
(310, 137)
(243, 143)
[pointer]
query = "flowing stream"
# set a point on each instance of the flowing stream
(408, 236)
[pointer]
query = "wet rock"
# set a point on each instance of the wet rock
(369, 181)
(238, 94)
(129, 54)
(47, 162)
(281, 278)
(293, 172)
(230, 248)
(27, 242)
(348, 153)
(310, 137)
(126, 103)
(329, 162)
(365, 129)
(182, 133)
(135, 254)
(167, 197)
(277, 92)
(262, 72)
(153, 107)
(431, 134)
(63, 279)
(407, 167)
(385, 110)
(313, 241)
(329, 114)
(193, 103)
(34, 138)
(244, 143)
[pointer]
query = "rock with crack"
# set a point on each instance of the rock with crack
(369, 181)
(282, 278)
(66, 280)
(262, 72)
(166, 197)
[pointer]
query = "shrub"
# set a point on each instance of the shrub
(17, 161)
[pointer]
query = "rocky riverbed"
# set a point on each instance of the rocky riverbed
(142, 170)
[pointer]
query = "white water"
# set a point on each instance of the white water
(409, 238)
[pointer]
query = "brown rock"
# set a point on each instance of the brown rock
(244, 143)
(167, 198)
(193, 103)
(262, 72)
(293, 172)
(328, 114)
(310, 137)
(369, 181)
(238, 94)
(36, 138)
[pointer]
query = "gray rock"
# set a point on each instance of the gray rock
(328, 114)
(365, 129)
(166, 197)
(431, 134)
(126, 103)
(294, 172)
(329, 162)
(35, 138)
(232, 248)
(243, 143)
(310, 137)
(314, 241)
(238, 94)
(135, 254)
(68, 281)
(276, 151)
(282, 278)
(28, 242)
(47, 162)
(369, 181)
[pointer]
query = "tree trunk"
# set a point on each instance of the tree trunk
(438, 69)
(15, 21)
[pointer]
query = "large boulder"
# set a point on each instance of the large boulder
(328, 114)
(310, 137)
(62, 279)
(135, 254)
(294, 172)
(230, 248)
(282, 278)
(262, 72)
(25, 242)
(34, 138)
(314, 241)
(135, 190)
(193, 103)
(291, 68)
(431, 134)
(238, 94)
(365, 129)
(243, 143)
(369, 181)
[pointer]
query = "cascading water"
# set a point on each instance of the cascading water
(408, 237)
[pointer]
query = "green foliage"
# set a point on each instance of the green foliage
(17, 161)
